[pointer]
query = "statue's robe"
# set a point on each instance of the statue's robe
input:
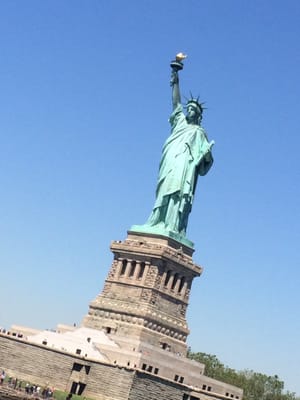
(185, 155)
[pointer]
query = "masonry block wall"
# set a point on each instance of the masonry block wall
(154, 388)
(33, 364)
(47, 367)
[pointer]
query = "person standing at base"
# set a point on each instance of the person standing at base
(2, 377)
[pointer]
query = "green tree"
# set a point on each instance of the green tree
(256, 386)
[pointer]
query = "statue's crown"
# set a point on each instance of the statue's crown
(196, 103)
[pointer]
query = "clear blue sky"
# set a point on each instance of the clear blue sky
(84, 107)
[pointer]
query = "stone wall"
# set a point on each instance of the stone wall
(153, 388)
(44, 366)
(47, 367)
(33, 364)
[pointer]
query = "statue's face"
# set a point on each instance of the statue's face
(193, 114)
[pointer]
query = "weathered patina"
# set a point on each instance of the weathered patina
(186, 154)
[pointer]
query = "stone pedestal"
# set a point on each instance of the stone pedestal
(146, 293)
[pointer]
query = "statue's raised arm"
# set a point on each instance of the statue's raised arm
(176, 66)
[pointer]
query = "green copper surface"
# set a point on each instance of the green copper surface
(186, 154)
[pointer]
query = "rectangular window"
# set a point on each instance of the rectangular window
(156, 371)
(77, 367)
(144, 367)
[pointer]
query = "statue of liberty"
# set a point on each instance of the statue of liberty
(186, 154)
